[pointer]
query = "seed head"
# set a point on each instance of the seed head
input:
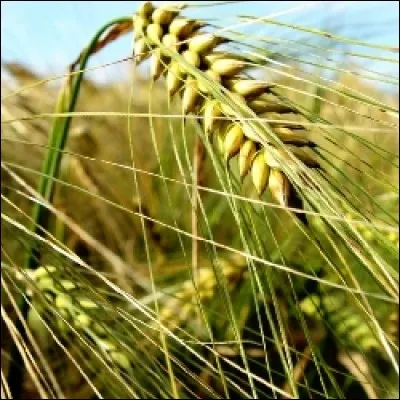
(163, 16)
(139, 26)
(192, 58)
(212, 75)
(171, 41)
(154, 32)
(238, 100)
(266, 103)
(203, 42)
(288, 136)
(212, 109)
(279, 186)
(145, 9)
(190, 97)
(233, 140)
(141, 49)
(174, 78)
(260, 173)
(227, 66)
(246, 155)
(156, 65)
(247, 87)
(182, 27)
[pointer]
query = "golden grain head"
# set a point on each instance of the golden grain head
(288, 120)
(244, 93)
(287, 136)
(250, 132)
(139, 26)
(227, 66)
(163, 15)
(268, 103)
(212, 110)
(141, 49)
(145, 9)
(171, 41)
(246, 156)
(192, 58)
(220, 139)
(238, 103)
(279, 186)
(156, 64)
(260, 173)
(274, 157)
(233, 140)
(204, 85)
(154, 32)
(201, 42)
(306, 158)
(191, 96)
(174, 78)
(182, 27)
(247, 87)
(212, 56)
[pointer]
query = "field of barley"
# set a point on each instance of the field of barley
(218, 220)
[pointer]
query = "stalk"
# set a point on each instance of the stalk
(50, 169)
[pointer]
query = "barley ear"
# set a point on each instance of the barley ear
(260, 173)
(145, 9)
(279, 186)
(191, 96)
(246, 155)
(233, 140)
(163, 15)
(154, 33)
(156, 64)
(174, 78)
(212, 110)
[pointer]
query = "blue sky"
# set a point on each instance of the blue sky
(48, 35)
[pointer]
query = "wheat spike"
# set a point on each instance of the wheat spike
(163, 27)
(74, 307)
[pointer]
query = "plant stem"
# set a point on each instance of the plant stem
(198, 165)
(40, 213)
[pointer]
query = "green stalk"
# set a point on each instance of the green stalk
(40, 213)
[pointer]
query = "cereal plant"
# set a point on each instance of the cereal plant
(226, 227)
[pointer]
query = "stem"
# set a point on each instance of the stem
(198, 165)
(40, 213)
